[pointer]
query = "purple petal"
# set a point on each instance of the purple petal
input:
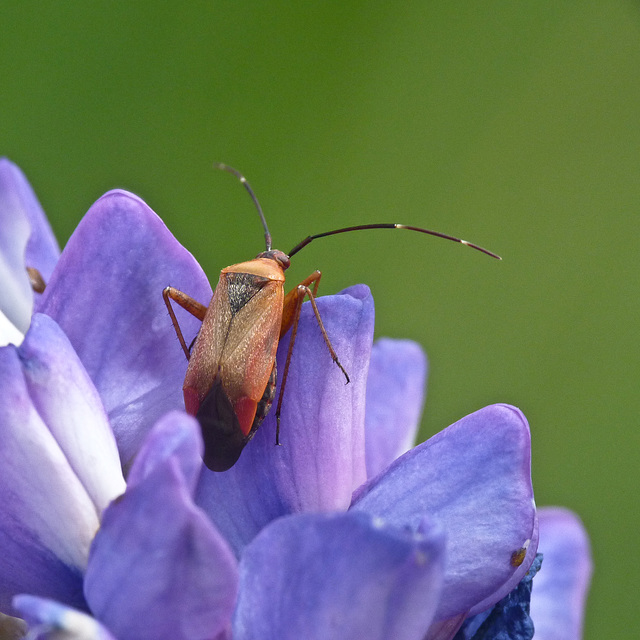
(560, 589)
(50, 619)
(47, 520)
(9, 333)
(158, 568)
(509, 618)
(67, 401)
(395, 397)
(26, 239)
(446, 628)
(43, 250)
(346, 576)
(106, 294)
(475, 478)
(321, 459)
(175, 435)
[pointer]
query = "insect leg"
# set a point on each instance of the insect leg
(312, 300)
(291, 315)
(188, 304)
(291, 305)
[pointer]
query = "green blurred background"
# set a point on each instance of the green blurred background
(512, 124)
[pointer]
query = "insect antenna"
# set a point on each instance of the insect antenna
(389, 225)
(247, 186)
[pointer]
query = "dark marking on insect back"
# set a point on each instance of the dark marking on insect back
(221, 433)
(242, 287)
(223, 438)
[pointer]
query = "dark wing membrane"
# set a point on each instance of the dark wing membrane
(242, 287)
(223, 438)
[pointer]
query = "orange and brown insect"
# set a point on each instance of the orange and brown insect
(231, 376)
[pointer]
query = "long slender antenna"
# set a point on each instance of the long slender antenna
(247, 186)
(388, 225)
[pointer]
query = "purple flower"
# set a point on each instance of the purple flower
(59, 468)
(26, 239)
(560, 590)
(330, 535)
(557, 601)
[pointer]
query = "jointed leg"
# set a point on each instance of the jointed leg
(293, 305)
(188, 304)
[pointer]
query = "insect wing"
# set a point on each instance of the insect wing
(221, 434)
(237, 344)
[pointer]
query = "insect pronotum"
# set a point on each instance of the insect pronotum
(230, 382)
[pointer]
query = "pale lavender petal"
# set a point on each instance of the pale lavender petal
(66, 400)
(475, 478)
(25, 240)
(560, 589)
(395, 397)
(52, 620)
(346, 576)
(9, 333)
(106, 294)
(446, 628)
(175, 435)
(158, 568)
(321, 459)
(43, 250)
(47, 520)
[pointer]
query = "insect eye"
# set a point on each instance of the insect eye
(279, 256)
(283, 259)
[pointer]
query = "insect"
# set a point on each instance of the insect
(231, 374)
